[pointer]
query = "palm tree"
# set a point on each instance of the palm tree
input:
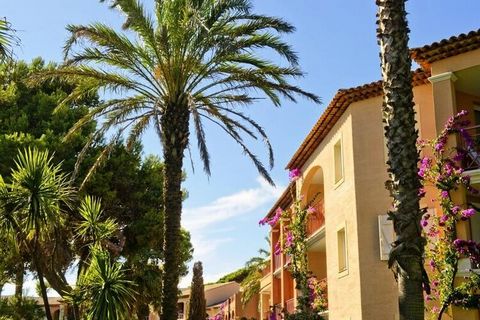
(36, 194)
(7, 39)
(193, 61)
(406, 257)
(255, 267)
(105, 288)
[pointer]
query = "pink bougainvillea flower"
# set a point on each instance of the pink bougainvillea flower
(289, 239)
(277, 250)
(468, 213)
(421, 192)
(294, 174)
(278, 214)
(443, 219)
(424, 223)
(263, 221)
(444, 194)
(311, 210)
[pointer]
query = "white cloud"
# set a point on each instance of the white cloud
(227, 207)
(210, 235)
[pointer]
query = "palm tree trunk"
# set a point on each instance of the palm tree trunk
(406, 258)
(19, 279)
(174, 127)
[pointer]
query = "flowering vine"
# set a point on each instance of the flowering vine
(443, 170)
(294, 244)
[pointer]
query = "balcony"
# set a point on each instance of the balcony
(277, 262)
(317, 219)
(472, 147)
(290, 306)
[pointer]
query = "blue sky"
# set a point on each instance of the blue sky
(337, 47)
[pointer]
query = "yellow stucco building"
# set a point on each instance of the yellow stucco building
(342, 160)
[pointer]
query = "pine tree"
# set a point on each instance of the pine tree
(198, 304)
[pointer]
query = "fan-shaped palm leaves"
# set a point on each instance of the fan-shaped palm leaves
(33, 202)
(105, 288)
(255, 267)
(194, 61)
(7, 39)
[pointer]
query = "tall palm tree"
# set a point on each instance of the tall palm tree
(193, 61)
(36, 194)
(406, 257)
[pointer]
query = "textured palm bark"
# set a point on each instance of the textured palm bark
(406, 258)
(174, 125)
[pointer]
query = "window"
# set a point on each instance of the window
(342, 250)
(338, 159)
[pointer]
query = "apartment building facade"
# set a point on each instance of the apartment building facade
(342, 161)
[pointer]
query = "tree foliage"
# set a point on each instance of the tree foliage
(132, 199)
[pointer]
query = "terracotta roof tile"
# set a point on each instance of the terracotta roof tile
(334, 111)
(446, 48)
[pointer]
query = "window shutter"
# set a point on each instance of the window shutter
(386, 236)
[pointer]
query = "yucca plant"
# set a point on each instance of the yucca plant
(192, 61)
(92, 229)
(35, 197)
(105, 290)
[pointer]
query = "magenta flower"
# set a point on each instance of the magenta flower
(421, 192)
(468, 213)
(424, 166)
(423, 223)
(278, 214)
(263, 221)
(443, 219)
(277, 250)
(294, 174)
(311, 210)
(289, 239)
(444, 194)
(456, 209)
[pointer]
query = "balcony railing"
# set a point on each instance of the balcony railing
(266, 270)
(290, 306)
(317, 219)
(470, 142)
(277, 262)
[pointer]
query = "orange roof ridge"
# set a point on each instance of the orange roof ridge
(334, 111)
(445, 48)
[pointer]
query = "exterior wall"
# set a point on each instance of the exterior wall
(339, 202)
(358, 200)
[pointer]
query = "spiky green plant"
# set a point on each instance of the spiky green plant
(35, 197)
(105, 289)
(92, 229)
(192, 61)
